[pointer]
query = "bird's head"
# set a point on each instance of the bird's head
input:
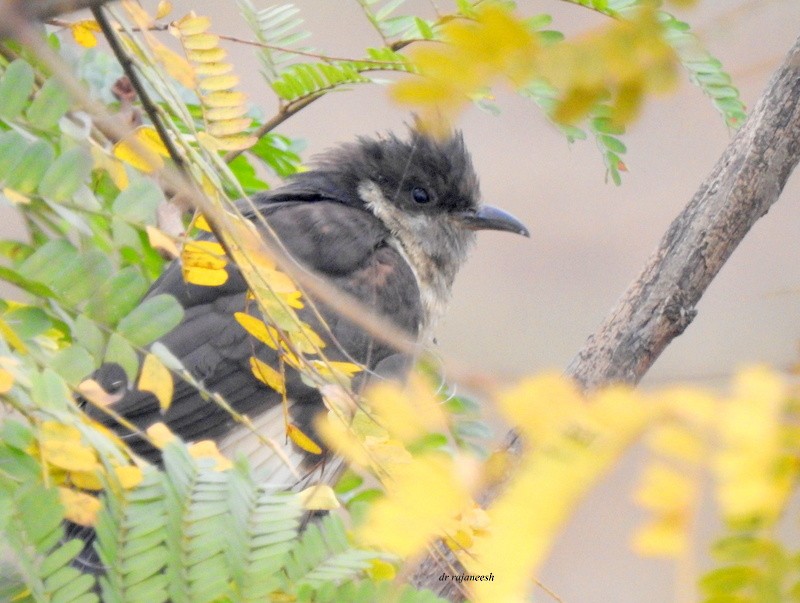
(425, 191)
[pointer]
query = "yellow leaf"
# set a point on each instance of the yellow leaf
(319, 497)
(661, 538)
(114, 168)
(259, 329)
(665, 490)
(380, 570)
(423, 496)
(213, 55)
(236, 142)
(79, 507)
(201, 223)
(191, 24)
(138, 14)
(407, 412)
(460, 540)
(164, 8)
(200, 41)
(213, 69)
(336, 371)
(306, 341)
(293, 299)
(15, 197)
(267, 375)
(216, 83)
(86, 480)
(207, 449)
(6, 381)
(176, 65)
(677, 442)
(156, 379)
(540, 405)
(160, 241)
(224, 113)
(160, 435)
(61, 446)
(203, 263)
(14, 340)
(129, 476)
(83, 32)
(301, 439)
(227, 98)
(228, 127)
(143, 150)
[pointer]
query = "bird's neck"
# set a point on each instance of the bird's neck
(434, 246)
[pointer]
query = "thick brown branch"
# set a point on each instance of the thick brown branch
(660, 303)
(745, 182)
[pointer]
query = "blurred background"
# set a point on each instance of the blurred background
(522, 306)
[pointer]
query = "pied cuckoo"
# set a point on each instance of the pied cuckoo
(388, 220)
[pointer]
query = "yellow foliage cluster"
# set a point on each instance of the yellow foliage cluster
(143, 149)
(474, 53)
(619, 63)
(622, 62)
(224, 108)
(74, 466)
(570, 441)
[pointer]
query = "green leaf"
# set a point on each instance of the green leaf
(28, 321)
(49, 391)
(73, 363)
(427, 443)
(50, 104)
(63, 178)
(246, 175)
(16, 86)
(154, 318)
(120, 351)
(138, 202)
(10, 144)
(31, 287)
(727, 580)
(28, 171)
(41, 512)
(16, 434)
(117, 296)
(86, 333)
(348, 482)
(84, 277)
(741, 548)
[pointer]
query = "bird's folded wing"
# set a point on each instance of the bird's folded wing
(346, 245)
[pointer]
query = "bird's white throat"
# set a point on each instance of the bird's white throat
(434, 246)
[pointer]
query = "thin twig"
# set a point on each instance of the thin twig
(128, 67)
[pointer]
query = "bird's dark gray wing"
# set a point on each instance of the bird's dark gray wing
(347, 246)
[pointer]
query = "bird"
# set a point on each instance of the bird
(387, 219)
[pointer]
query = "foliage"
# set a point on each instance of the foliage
(202, 529)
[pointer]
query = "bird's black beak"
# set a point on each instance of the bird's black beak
(492, 218)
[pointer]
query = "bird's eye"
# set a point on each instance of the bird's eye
(420, 195)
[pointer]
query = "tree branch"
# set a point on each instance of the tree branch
(745, 182)
(657, 307)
